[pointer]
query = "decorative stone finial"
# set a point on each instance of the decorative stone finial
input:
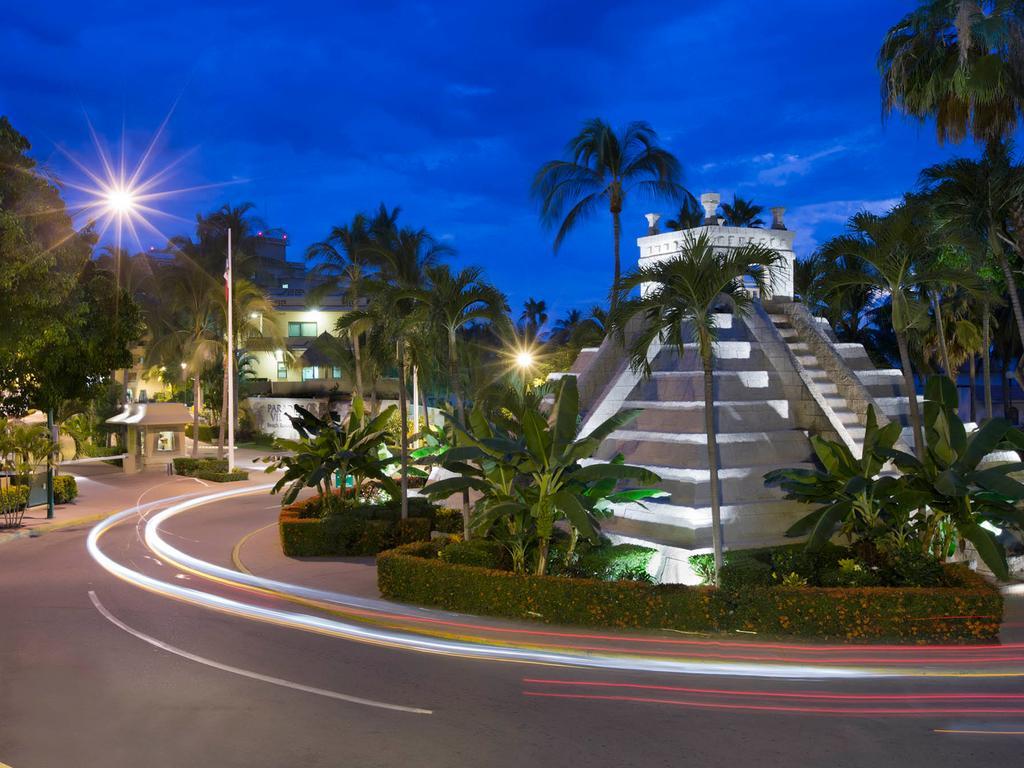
(777, 222)
(652, 222)
(710, 201)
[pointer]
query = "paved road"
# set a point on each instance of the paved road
(76, 689)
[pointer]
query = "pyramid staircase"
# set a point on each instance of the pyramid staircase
(779, 377)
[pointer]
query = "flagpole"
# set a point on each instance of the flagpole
(230, 363)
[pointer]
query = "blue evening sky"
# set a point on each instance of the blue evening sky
(317, 110)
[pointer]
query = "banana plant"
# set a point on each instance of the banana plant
(851, 494)
(966, 499)
(532, 470)
(329, 447)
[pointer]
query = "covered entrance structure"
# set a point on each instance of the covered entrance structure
(154, 432)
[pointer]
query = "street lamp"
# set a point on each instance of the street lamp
(120, 201)
(524, 360)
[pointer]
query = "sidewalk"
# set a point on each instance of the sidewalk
(103, 492)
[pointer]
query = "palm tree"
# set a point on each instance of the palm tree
(889, 256)
(533, 317)
(976, 202)
(346, 260)
(184, 326)
(690, 215)
(592, 329)
(959, 61)
(392, 316)
(742, 213)
(679, 299)
(450, 303)
(566, 327)
(602, 169)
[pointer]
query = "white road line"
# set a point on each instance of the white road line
(246, 673)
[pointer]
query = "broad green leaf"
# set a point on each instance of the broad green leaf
(565, 413)
(983, 442)
(989, 548)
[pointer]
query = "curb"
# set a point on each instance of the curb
(39, 530)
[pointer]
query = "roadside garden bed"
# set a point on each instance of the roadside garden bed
(968, 610)
(214, 470)
(348, 529)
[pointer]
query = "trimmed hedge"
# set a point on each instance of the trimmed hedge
(214, 470)
(220, 477)
(65, 489)
(206, 433)
(351, 530)
(969, 612)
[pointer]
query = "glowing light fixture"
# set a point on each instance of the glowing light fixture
(525, 359)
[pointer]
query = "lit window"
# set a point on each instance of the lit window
(310, 372)
(301, 329)
(336, 372)
(284, 285)
(282, 371)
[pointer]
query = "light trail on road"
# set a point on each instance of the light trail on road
(436, 632)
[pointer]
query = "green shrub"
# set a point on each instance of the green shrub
(206, 433)
(188, 466)
(448, 520)
(968, 611)
(220, 477)
(416, 574)
(703, 566)
(96, 451)
(621, 562)
(65, 489)
(910, 567)
(349, 529)
(483, 553)
(742, 572)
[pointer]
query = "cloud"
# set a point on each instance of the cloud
(818, 221)
(792, 165)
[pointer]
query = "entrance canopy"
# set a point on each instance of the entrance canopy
(153, 415)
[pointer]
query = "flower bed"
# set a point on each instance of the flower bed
(352, 530)
(968, 612)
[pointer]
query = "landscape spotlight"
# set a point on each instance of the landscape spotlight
(524, 359)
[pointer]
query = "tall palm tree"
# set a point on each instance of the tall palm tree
(678, 305)
(533, 317)
(393, 317)
(977, 201)
(346, 260)
(742, 213)
(889, 256)
(450, 303)
(602, 168)
(184, 326)
(959, 61)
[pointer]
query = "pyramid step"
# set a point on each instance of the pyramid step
(690, 486)
(729, 416)
(744, 525)
(740, 449)
(728, 385)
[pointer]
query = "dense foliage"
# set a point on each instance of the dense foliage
(532, 470)
(930, 504)
(308, 528)
(970, 611)
(330, 450)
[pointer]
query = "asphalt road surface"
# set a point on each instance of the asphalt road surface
(96, 671)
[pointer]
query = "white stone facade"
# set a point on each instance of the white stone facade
(665, 245)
